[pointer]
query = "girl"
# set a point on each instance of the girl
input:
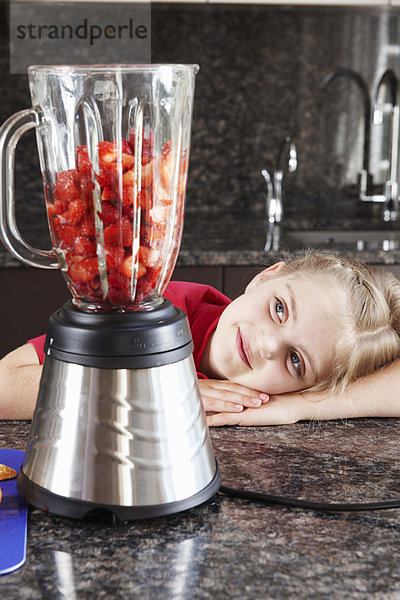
(317, 338)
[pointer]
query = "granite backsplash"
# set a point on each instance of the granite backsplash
(261, 69)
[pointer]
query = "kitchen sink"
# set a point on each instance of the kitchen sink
(370, 239)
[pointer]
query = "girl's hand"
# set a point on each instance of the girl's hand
(279, 410)
(222, 397)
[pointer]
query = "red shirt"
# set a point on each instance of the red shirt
(203, 306)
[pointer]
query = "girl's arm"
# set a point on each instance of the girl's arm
(377, 395)
(19, 383)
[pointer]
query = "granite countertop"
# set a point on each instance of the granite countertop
(229, 548)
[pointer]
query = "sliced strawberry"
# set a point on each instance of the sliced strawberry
(128, 161)
(148, 256)
(84, 246)
(87, 226)
(126, 148)
(128, 194)
(86, 185)
(76, 210)
(105, 149)
(51, 209)
(84, 270)
(155, 232)
(144, 199)
(147, 146)
(114, 256)
(109, 214)
(167, 163)
(147, 174)
(65, 233)
(65, 187)
(128, 212)
(159, 214)
(119, 287)
(129, 178)
(82, 160)
(108, 175)
(109, 193)
(109, 153)
(147, 284)
(127, 232)
(126, 268)
(112, 235)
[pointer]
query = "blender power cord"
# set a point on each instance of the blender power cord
(306, 504)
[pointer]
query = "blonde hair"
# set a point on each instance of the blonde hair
(372, 321)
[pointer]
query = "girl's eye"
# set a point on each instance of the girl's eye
(280, 310)
(296, 362)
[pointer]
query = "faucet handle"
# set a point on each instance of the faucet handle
(268, 181)
(288, 145)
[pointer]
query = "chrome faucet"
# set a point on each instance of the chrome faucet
(364, 176)
(389, 83)
(286, 162)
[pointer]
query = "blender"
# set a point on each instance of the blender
(119, 424)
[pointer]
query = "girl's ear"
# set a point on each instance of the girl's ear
(264, 275)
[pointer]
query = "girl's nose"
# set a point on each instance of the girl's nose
(268, 345)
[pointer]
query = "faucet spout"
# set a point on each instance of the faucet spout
(388, 86)
(286, 162)
(362, 86)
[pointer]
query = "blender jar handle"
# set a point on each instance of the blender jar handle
(10, 133)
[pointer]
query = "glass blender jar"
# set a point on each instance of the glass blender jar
(119, 423)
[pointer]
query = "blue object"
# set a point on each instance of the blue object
(13, 516)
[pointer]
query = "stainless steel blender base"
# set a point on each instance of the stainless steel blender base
(135, 442)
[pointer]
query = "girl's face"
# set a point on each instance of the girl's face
(280, 336)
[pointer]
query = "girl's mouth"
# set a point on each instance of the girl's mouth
(242, 349)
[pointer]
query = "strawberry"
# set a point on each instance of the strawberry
(114, 256)
(148, 256)
(60, 206)
(147, 284)
(127, 232)
(76, 210)
(65, 187)
(128, 194)
(128, 212)
(109, 153)
(119, 287)
(128, 178)
(167, 164)
(87, 226)
(146, 176)
(109, 193)
(126, 147)
(106, 149)
(144, 199)
(159, 214)
(112, 235)
(155, 232)
(65, 233)
(128, 161)
(84, 246)
(126, 268)
(82, 160)
(147, 146)
(109, 214)
(108, 175)
(84, 270)
(86, 185)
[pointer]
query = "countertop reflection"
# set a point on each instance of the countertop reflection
(230, 548)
